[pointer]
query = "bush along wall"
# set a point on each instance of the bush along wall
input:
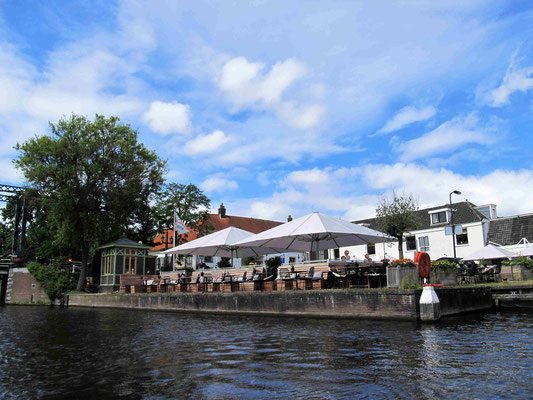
(54, 281)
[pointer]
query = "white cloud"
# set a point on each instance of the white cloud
(206, 143)
(302, 117)
(450, 135)
(246, 85)
(353, 193)
(407, 116)
(515, 79)
(314, 176)
(168, 118)
(218, 183)
(432, 186)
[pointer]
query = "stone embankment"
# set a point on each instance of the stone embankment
(347, 303)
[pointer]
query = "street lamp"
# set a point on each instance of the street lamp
(451, 222)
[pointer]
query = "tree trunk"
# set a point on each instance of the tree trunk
(400, 246)
(83, 272)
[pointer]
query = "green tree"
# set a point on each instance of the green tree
(189, 202)
(396, 216)
(96, 180)
(54, 281)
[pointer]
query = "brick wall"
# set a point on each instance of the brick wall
(23, 288)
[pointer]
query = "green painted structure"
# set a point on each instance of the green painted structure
(123, 256)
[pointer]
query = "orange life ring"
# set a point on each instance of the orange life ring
(423, 263)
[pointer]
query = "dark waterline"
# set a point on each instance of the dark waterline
(55, 353)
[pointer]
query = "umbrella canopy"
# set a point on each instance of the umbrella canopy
(316, 231)
(490, 252)
(526, 251)
(220, 244)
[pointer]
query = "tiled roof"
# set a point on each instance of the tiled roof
(253, 225)
(509, 230)
(465, 212)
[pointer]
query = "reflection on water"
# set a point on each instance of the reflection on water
(102, 353)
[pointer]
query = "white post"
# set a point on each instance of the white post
(429, 305)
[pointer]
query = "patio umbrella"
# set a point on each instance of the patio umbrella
(317, 231)
(221, 244)
(526, 251)
(490, 252)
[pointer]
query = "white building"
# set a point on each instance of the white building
(433, 234)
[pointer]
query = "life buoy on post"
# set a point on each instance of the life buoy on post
(423, 263)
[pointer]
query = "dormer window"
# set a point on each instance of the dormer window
(441, 216)
(438, 218)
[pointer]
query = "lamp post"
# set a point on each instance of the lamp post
(451, 222)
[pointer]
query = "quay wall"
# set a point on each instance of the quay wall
(349, 303)
(323, 303)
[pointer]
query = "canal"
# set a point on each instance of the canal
(58, 353)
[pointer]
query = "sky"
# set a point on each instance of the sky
(288, 107)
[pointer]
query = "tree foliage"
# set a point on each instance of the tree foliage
(54, 281)
(189, 202)
(96, 182)
(396, 216)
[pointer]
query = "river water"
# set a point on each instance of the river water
(76, 353)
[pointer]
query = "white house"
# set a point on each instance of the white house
(433, 234)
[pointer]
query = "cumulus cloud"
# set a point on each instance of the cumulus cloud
(168, 118)
(515, 79)
(218, 183)
(206, 143)
(407, 116)
(248, 85)
(451, 135)
(354, 193)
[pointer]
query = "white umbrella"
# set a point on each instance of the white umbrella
(490, 252)
(526, 251)
(220, 244)
(315, 230)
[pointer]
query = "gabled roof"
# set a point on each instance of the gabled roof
(124, 242)
(253, 225)
(465, 212)
(509, 230)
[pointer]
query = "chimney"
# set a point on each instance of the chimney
(289, 218)
(222, 211)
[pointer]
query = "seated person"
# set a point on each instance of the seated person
(201, 278)
(293, 274)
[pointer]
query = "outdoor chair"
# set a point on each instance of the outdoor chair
(340, 277)
(320, 280)
(307, 278)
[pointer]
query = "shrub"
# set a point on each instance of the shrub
(272, 266)
(54, 281)
(525, 261)
(224, 263)
(410, 281)
(404, 262)
(443, 264)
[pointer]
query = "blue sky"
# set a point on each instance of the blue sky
(289, 107)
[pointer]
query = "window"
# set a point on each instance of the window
(107, 265)
(336, 254)
(371, 248)
(462, 238)
(438, 217)
(292, 260)
(423, 243)
(208, 259)
(410, 242)
(130, 261)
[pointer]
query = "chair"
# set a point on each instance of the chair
(307, 278)
(320, 280)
